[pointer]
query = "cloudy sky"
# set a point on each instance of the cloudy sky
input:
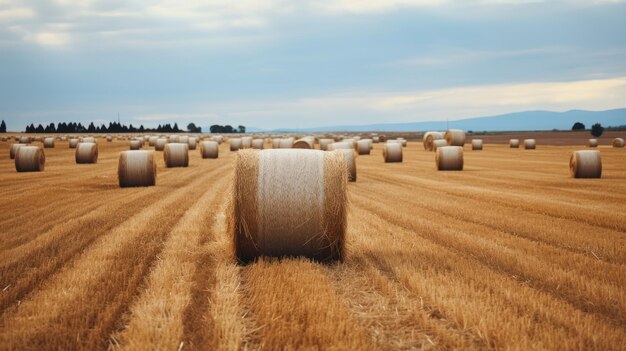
(273, 63)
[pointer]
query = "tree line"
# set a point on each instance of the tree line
(216, 128)
(113, 127)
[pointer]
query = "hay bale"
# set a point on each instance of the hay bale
(364, 146)
(449, 158)
(585, 164)
(48, 143)
(618, 142)
(136, 168)
(324, 143)
(286, 143)
(439, 143)
(275, 143)
(152, 141)
(87, 153)
(477, 144)
(30, 159)
(218, 138)
(402, 141)
(455, 137)
(376, 139)
(341, 145)
(135, 144)
(209, 149)
(4, 138)
(176, 155)
(25, 140)
(350, 140)
(429, 139)
(235, 144)
(246, 142)
(304, 143)
(173, 139)
(192, 142)
(160, 143)
(14, 149)
(350, 156)
(392, 152)
(514, 143)
(257, 144)
(593, 142)
(183, 139)
(109, 138)
(73, 143)
(289, 203)
(530, 144)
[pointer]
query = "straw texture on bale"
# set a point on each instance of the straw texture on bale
(325, 142)
(439, 143)
(303, 143)
(585, 164)
(449, 158)
(14, 149)
(135, 144)
(73, 143)
(429, 139)
(514, 143)
(87, 153)
(618, 142)
(350, 155)
(530, 144)
(246, 142)
(30, 159)
(392, 152)
(209, 149)
(160, 143)
(364, 146)
(136, 168)
(24, 140)
(48, 143)
(289, 203)
(477, 144)
(257, 144)
(235, 144)
(286, 143)
(593, 142)
(193, 143)
(176, 155)
(455, 137)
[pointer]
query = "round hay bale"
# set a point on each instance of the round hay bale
(402, 141)
(14, 149)
(73, 143)
(530, 144)
(477, 144)
(304, 143)
(4, 138)
(275, 143)
(235, 144)
(257, 144)
(218, 138)
(109, 138)
(286, 143)
(325, 142)
(152, 141)
(87, 153)
(193, 143)
(593, 142)
(48, 143)
(439, 143)
(160, 143)
(341, 145)
(173, 139)
(514, 143)
(30, 159)
(455, 137)
(364, 146)
(88, 140)
(392, 152)
(289, 203)
(246, 142)
(375, 139)
(449, 158)
(209, 149)
(350, 140)
(136, 168)
(429, 139)
(135, 144)
(618, 142)
(585, 164)
(25, 140)
(176, 155)
(183, 139)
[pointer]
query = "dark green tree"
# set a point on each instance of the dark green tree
(578, 126)
(3, 127)
(597, 130)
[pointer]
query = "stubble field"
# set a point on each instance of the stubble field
(510, 253)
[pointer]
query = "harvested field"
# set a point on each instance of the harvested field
(510, 253)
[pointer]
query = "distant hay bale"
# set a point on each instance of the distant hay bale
(392, 152)
(286, 143)
(593, 142)
(449, 158)
(183, 139)
(530, 144)
(304, 143)
(341, 145)
(455, 137)
(14, 149)
(30, 159)
(325, 142)
(402, 141)
(88, 140)
(152, 141)
(209, 149)
(87, 153)
(25, 140)
(246, 142)
(109, 138)
(289, 203)
(350, 140)
(514, 143)
(439, 143)
(275, 143)
(375, 139)
(160, 143)
(192, 142)
(173, 139)
(176, 155)
(218, 138)
(364, 146)
(585, 164)
(73, 143)
(477, 144)
(135, 144)
(429, 139)
(235, 144)
(136, 168)
(618, 142)
(48, 143)
(257, 144)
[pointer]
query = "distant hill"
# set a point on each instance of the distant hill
(518, 121)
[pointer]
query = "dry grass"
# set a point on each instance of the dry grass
(511, 253)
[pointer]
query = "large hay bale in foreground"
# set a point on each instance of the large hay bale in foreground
(289, 203)
(514, 143)
(455, 137)
(160, 143)
(477, 144)
(392, 152)
(136, 168)
(209, 149)
(86, 153)
(429, 139)
(235, 144)
(30, 159)
(530, 144)
(14, 149)
(73, 143)
(176, 155)
(593, 142)
(364, 146)
(618, 142)
(449, 158)
(585, 164)
(48, 143)
(135, 144)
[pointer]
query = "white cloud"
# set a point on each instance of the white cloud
(16, 13)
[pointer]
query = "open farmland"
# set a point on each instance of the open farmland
(510, 253)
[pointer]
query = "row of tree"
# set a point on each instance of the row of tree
(216, 128)
(596, 129)
(114, 127)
